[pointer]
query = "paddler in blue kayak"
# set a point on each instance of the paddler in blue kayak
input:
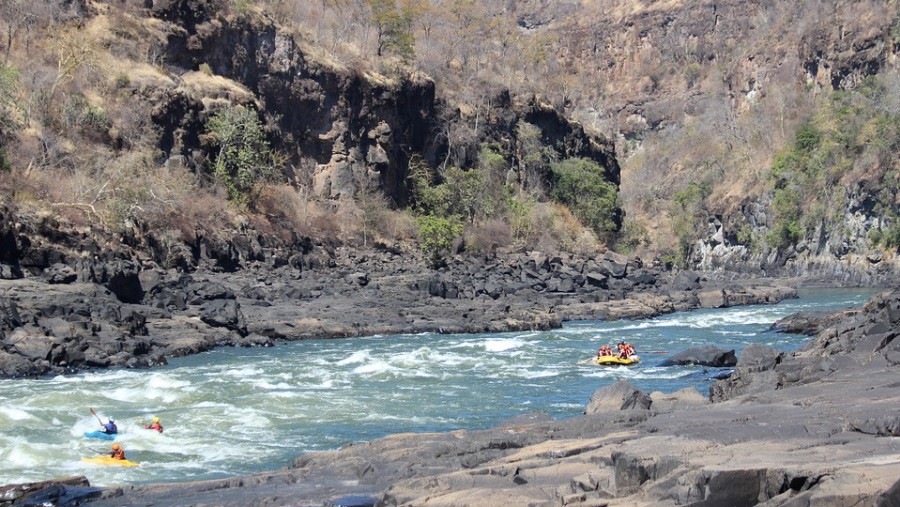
(109, 428)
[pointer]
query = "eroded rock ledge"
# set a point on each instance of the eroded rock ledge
(122, 314)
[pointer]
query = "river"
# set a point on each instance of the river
(236, 411)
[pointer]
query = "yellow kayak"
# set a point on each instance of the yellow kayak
(615, 360)
(107, 460)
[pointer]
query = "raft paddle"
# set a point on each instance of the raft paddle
(585, 361)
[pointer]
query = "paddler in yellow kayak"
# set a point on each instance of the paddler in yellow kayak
(117, 452)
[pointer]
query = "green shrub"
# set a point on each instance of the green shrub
(631, 237)
(10, 102)
(580, 184)
(518, 211)
(244, 157)
(688, 217)
(436, 234)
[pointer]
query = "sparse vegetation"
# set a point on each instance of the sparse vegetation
(850, 138)
(689, 210)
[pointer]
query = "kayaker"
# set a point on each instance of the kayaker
(117, 452)
(110, 427)
(154, 425)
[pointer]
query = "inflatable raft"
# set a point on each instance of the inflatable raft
(615, 360)
(108, 460)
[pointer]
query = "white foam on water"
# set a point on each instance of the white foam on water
(280, 386)
(243, 372)
(166, 382)
(502, 344)
(375, 367)
(628, 327)
(358, 357)
(9, 413)
(538, 374)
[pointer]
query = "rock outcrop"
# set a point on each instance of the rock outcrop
(110, 314)
(707, 355)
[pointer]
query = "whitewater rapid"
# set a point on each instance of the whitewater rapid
(237, 411)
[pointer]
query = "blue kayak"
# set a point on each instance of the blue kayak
(99, 434)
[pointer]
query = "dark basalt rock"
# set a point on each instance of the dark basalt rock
(67, 492)
(60, 273)
(706, 355)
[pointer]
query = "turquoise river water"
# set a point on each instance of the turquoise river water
(236, 411)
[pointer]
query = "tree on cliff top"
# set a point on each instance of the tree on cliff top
(394, 27)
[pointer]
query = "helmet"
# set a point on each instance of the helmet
(116, 447)
(155, 420)
(112, 421)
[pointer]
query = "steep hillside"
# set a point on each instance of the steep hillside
(756, 137)
(704, 96)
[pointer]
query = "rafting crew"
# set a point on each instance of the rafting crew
(604, 350)
(625, 350)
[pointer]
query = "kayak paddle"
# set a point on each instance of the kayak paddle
(95, 415)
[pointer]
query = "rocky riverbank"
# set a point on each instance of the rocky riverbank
(70, 317)
(820, 426)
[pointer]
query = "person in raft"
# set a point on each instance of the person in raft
(605, 350)
(625, 350)
(117, 452)
(154, 425)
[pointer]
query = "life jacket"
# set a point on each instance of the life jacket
(156, 426)
(110, 428)
(120, 454)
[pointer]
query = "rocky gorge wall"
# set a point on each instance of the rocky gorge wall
(342, 129)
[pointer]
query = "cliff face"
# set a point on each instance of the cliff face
(343, 130)
(709, 92)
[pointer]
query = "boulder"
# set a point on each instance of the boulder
(223, 313)
(713, 299)
(755, 372)
(16, 365)
(706, 355)
(685, 399)
(619, 396)
(60, 274)
(686, 280)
